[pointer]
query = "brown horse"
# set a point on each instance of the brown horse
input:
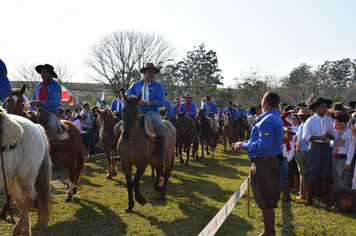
(106, 123)
(206, 132)
(241, 131)
(227, 129)
(68, 152)
(186, 136)
(137, 149)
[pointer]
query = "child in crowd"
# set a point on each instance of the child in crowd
(288, 154)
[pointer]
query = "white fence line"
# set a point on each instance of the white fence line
(213, 226)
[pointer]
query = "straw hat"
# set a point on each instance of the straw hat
(338, 108)
(289, 130)
(149, 66)
(207, 97)
(303, 111)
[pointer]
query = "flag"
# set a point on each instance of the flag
(67, 96)
(102, 98)
(201, 103)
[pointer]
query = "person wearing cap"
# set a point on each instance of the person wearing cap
(288, 154)
(265, 144)
(170, 112)
(152, 99)
(46, 98)
(176, 107)
(118, 103)
(5, 86)
(319, 130)
(343, 153)
(240, 110)
(233, 115)
(210, 111)
(338, 108)
(190, 109)
(301, 152)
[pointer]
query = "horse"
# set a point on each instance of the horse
(28, 173)
(241, 131)
(227, 129)
(69, 152)
(186, 136)
(206, 132)
(106, 123)
(163, 113)
(138, 149)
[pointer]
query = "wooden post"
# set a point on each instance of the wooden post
(248, 196)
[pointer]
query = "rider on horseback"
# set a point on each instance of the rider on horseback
(210, 111)
(152, 99)
(233, 115)
(47, 98)
(5, 86)
(190, 110)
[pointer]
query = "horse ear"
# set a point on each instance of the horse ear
(139, 97)
(98, 111)
(23, 89)
(125, 97)
(166, 108)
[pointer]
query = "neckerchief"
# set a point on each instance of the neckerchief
(231, 114)
(42, 91)
(146, 92)
(208, 106)
(322, 124)
(337, 142)
(177, 107)
(187, 105)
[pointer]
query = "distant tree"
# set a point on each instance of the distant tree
(118, 57)
(27, 74)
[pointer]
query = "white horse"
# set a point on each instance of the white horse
(28, 172)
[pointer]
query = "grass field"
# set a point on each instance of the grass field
(195, 194)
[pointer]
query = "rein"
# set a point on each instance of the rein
(132, 130)
(8, 197)
(185, 126)
(59, 123)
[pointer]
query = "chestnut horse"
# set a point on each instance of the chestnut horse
(137, 149)
(69, 152)
(227, 129)
(243, 127)
(106, 123)
(186, 136)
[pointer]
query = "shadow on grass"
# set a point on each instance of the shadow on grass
(86, 219)
(287, 218)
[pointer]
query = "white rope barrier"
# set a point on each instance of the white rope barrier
(213, 226)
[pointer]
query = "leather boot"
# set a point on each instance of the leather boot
(296, 183)
(310, 192)
(268, 219)
(286, 191)
(161, 143)
(303, 188)
(325, 193)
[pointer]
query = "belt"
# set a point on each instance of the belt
(321, 144)
(265, 158)
(341, 156)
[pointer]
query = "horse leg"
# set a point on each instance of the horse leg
(153, 173)
(224, 140)
(202, 149)
(156, 185)
(128, 174)
(180, 154)
(108, 158)
(70, 191)
(208, 142)
(136, 183)
(187, 161)
(113, 164)
(177, 147)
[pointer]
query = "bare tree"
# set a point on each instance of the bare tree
(118, 57)
(27, 74)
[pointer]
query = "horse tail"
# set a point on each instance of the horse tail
(42, 184)
(79, 163)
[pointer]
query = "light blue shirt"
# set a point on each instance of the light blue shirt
(234, 113)
(210, 107)
(54, 91)
(192, 111)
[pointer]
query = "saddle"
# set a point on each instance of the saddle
(36, 117)
(11, 131)
(62, 130)
(210, 122)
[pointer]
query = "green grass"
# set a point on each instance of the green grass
(195, 194)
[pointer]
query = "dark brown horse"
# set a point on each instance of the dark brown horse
(227, 130)
(241, 131)
(106, 123)
(186, 136)
(206, 132)
(68, 152)
(137, 149)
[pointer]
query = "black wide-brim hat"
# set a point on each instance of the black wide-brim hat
(352, 104)
(149, 66)
(319, 101)
(47, 66)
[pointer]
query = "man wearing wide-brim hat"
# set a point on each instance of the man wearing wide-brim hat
(338, 108)
(319, 130)
(152, 99)
(189, 108)
(47, 98)
(176, 107)
(240, 110)
(210, 111)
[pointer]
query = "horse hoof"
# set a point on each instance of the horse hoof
(2, 216)
(181, 162)
(153, 177)
(128, 210)
(141, 200)
(108, 176)
(208, 153)
(187, 163)
(74, 190)
(161, 197)
(114, 173)
(158, 188)
(68, 199)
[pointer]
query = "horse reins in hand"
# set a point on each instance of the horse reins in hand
(8, 197)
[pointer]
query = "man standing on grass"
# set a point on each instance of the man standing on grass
(265, 143)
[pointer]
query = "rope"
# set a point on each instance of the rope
(58, 121)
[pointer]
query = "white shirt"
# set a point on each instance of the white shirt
(78, 123)
(318, 126)
(348, 145)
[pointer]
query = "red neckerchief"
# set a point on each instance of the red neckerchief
(42, 91)
(230, 109)
(335, 125)
(177, 106)
(187, 105)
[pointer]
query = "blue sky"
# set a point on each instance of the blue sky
(273, 35)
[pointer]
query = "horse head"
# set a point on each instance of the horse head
(130, 114)
(163, 113)
(105, 121)
(201, 113)
(15, 103)
(181, 122)
(226, 118)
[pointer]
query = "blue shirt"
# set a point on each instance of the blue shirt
(234, 113)
(54, 91)
(175, 111)
(305, 144)
(266, 136)
(192, 110)
(241, 112)
(170, 112)
(210, 107)
(5, 86)
(156, 94)
(116, 105)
